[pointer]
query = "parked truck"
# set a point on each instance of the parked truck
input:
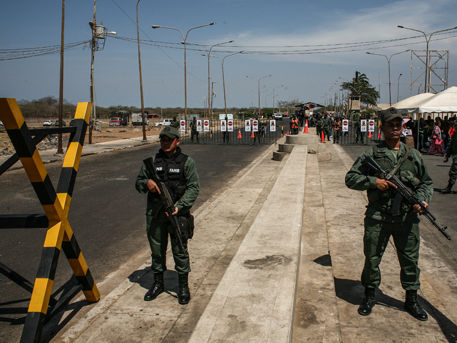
(137, 119)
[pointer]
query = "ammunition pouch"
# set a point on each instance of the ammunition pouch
(186, 225)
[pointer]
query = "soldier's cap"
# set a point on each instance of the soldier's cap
(390, 114)
(170, 132)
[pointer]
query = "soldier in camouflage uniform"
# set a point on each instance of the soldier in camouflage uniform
(179, 174)
(451, 151)
(384, 219)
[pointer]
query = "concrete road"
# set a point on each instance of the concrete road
(107, 215)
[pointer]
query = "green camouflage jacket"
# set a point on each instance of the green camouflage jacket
(412, 173)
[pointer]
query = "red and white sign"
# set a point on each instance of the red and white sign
(223, 125)
(199, 126)
(345, 125)
(273, 125)
(255, 125)
(363, 125)
(230, 125)
(371, 125)
(247, 125)
(182, 125)
(206, 125)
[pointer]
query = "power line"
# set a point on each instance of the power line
(21, 53)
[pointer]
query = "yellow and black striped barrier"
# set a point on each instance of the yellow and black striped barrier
(56, 205)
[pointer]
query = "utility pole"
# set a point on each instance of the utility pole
(59, 144)
(141, 77)
(93, 26)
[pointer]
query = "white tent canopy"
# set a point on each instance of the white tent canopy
(409, 105)
(445, 101)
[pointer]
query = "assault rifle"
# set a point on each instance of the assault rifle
(405, 193)
(166, 200)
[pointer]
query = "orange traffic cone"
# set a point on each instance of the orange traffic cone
(306, 130)
(322, 137)
(252, 134)
(369, 134)
(239, 134)
(288, 133)
(379, 134)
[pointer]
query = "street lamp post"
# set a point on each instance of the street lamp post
(258, 89)
(143, 121)
(427, 42)
(223, 77)
(184, 40)
(209, 77)
(398, 86)
(388, 69)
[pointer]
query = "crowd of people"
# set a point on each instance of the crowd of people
(434, 134)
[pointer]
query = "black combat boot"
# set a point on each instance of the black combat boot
(156, 289)
(413, 307)
(183, 289)
(368, 302)
(447, 190)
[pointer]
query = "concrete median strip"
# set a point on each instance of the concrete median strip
(254, 300)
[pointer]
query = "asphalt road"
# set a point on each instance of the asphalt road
(106, 214)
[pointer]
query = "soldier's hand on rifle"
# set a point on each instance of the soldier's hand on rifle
(383, 184)
(418, 209)
(175, 212)
(152, 186)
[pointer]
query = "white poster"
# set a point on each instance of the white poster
(182, 125)
(223, 125)
(230, 125)
(371, 125)
(255, 125)
(273, 125)
(199, 126)
(247, 125)
(206, 125)
(363, 125)
(345, 125)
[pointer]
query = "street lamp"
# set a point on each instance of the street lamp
(398, 86)
(184, 40)
(209, 78)
(388, 68)
(427, 41)
(258, 88)
(223, 77)
(143, 121)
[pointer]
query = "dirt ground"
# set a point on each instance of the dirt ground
(107, 134)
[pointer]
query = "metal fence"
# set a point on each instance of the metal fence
(234, 131)
(357, 134)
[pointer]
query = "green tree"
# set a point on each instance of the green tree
(360, 86)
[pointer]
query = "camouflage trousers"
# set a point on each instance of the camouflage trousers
(406, 239)
(157, 230)
(453, 171)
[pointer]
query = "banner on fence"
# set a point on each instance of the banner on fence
(182, 125)
(255, 125)
(345, 125)
(363, 125)
(223, 125)
(230, 125)
(247, 125)
(371, 125)
(273, 125)
(199, 126)
(206, 125)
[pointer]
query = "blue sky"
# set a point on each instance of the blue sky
(267, 26)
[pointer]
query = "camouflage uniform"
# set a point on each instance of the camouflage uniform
(452, 151)
(380, 224)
